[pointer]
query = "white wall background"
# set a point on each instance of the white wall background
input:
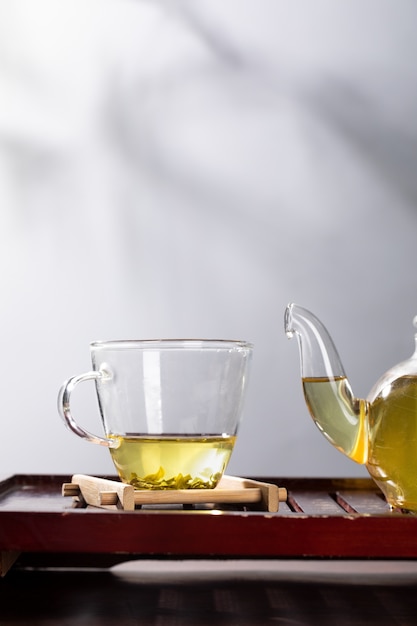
(186, 168)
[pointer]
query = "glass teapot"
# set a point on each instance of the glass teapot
(379, 431)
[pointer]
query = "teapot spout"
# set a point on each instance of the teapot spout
(341, 418)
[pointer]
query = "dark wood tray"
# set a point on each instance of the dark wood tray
(322, 518)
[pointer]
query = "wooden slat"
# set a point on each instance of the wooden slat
(370, 503)
(314, 503)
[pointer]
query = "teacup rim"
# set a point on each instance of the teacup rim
(189, 343)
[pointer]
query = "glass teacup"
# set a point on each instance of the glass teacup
(170, 408)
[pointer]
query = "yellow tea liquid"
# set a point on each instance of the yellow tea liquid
(392, 460)
(172, 462)
(382, 434)
(339, 416)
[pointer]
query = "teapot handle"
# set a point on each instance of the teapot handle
(64, 399)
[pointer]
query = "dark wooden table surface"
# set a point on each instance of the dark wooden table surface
(65, 598)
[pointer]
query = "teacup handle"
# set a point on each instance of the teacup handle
(64, 398)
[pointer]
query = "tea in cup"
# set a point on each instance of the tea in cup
(170, 409)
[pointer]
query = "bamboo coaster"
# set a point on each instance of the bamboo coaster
(111, 494)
